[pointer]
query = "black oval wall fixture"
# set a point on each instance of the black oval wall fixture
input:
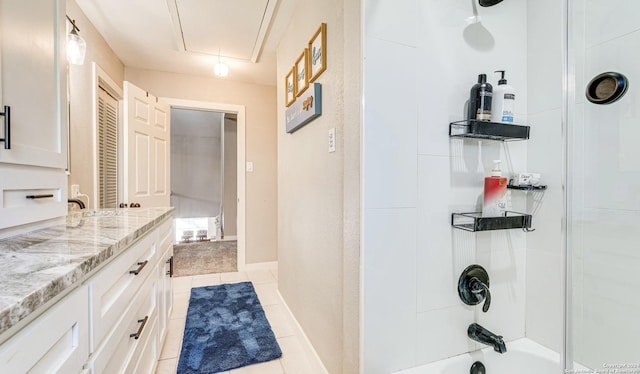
(607, 88)
(488, 3)
(478, 368)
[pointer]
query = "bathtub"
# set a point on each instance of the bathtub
(523, 356)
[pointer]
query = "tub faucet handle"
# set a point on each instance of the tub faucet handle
(481, 291)
(473, 287)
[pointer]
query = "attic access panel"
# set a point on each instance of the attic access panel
(229, 28)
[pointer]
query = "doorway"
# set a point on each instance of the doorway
(235, 115)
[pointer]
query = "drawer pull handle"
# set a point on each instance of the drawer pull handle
(7, 127)
(170, 262)
(141, 266)
(48, 196)
(139, 332)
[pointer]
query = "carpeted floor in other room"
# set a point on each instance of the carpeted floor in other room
(205, 257)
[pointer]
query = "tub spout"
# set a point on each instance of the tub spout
(484, 336)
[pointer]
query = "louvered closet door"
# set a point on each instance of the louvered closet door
(146, 148)
(107, 149)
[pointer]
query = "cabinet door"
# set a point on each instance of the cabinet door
(33, 81)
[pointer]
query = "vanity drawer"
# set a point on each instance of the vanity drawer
(112, 290)
(121, 351)
(55, 342)
(31, 194)
(147, 354)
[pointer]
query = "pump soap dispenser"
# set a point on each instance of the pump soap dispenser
(504, 98)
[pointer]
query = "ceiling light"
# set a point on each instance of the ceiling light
(221, 69)
(76, 46)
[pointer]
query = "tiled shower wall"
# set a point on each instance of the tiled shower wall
(606, 189)
(421, 59)
(545, 282)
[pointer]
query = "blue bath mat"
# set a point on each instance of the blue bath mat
(226, 329)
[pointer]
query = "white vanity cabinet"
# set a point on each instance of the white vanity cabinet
(113, 322)
(33, 71)
(56, 342)
(127, 315)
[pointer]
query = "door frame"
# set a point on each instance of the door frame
(239, 110)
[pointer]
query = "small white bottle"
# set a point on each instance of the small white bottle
(504, 98)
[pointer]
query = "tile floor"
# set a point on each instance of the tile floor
(296, 358)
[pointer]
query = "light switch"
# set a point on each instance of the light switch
(332, 140)
(249, 167)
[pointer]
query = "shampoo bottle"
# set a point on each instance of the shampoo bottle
(494, 202)
(480, 100)
(503, 99)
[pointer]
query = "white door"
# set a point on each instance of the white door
(33, 82)
(145, 149)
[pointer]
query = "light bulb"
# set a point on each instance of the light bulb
(221, 69)
(76, 48)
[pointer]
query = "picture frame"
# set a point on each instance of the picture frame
(301, 69)
(318, 53)
(290, 87)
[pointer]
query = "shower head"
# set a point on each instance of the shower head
(488, 3)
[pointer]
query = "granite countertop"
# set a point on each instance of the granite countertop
(44, 263)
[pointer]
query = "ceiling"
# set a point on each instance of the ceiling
(189, 36)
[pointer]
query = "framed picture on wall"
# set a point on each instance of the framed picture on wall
(302, 73)
(318, 53)
(290, 87)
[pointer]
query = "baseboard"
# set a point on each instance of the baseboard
(306, 344)
(260, 266)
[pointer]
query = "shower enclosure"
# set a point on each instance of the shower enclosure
(562, 293)
(603, 185)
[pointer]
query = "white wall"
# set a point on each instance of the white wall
(606, 178)
(310, 191)
(544, 246)
(196, 167)
(318, 191)
(421, 59)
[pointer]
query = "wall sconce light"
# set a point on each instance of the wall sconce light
(220, 68)
(76, 46)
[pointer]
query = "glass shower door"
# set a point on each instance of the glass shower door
(604, 186)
